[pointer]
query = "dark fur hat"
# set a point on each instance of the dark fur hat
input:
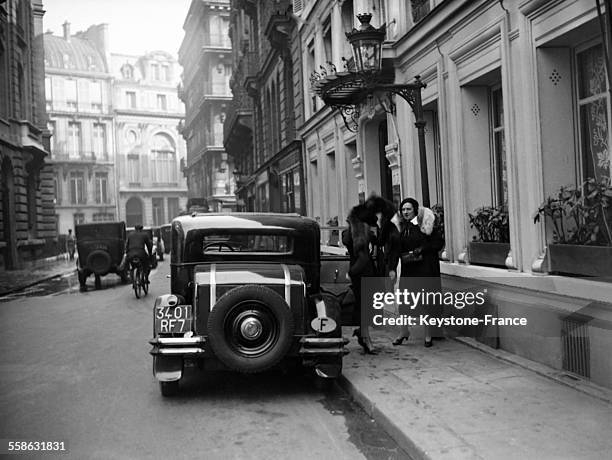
(378, 204)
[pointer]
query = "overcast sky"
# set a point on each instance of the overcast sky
(135, 26)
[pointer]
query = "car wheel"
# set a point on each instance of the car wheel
(250, 328)
(169, 388)
(99, 262)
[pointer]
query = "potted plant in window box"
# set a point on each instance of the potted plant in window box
(492, 244)
(581, 219)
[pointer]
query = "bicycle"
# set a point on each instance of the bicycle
(139, 283)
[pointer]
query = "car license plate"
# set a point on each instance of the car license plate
(173, 320)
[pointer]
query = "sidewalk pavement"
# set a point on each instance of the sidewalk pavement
(455, 401)
(16, 280)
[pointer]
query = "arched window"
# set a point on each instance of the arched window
(163, 159)
(133, 212)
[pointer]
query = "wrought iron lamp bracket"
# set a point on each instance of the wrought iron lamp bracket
(410, 92)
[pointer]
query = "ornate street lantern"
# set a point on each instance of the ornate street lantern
(366, 43)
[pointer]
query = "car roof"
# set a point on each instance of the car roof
(244, 220)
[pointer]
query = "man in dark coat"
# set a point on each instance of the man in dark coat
(139, 244)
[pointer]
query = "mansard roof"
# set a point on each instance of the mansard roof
(76, 54)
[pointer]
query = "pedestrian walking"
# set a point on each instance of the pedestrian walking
(70, 244)
(420, 243)
(359, 239)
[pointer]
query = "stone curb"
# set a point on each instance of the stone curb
(386, 423)
(34, 283)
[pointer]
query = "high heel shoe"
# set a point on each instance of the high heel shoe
(367, 347)
(400, 340)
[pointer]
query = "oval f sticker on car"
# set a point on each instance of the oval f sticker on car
(322, 323)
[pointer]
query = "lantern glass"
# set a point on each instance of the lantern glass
(367, 55)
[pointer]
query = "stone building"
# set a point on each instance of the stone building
(150, 150)
(205, 55)
(517, 105)
(79, 101)
(27, 220)
(260, 131)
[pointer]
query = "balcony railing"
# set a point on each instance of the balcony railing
(75, 107)
(64, 155)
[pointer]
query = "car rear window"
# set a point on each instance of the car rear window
(246, 243)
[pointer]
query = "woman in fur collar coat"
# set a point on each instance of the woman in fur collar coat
(420, 243)
(372, 241)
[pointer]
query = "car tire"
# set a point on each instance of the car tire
(226, 328)
(99, 262)
(169, 388)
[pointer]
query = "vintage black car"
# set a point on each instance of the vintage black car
(149, 230)
(166, 234)
(100, 249)
(245, 296)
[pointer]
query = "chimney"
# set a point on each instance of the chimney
(66, 26)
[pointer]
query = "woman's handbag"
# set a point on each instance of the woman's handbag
(411, 257)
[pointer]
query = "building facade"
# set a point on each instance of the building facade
(267, 106)
(517, 105)
(78, 85)
(26, 191)
(205, 55)
(150, 150)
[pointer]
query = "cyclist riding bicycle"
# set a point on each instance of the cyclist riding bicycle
(139, 244)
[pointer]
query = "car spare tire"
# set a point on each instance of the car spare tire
(250, 328)
(99, 262)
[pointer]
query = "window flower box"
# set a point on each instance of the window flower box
(581, 219)
(492, 245)
(488, 253)
(580, 260)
